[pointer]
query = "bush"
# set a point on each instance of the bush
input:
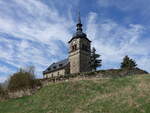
(24, 79)
(128, 63)
(3, 94)
(1, 90)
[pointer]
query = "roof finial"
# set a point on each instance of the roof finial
(79, 18)
(79, 25)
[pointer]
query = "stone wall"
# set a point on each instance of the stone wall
(74, 59)
(79, 76)
(97, 74)
(84, 61)
(80, 58)
(56, 73)
(85, 56)
(20, 93)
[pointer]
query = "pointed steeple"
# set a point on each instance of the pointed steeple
(79, 24)
(79, 18)
(79, 33)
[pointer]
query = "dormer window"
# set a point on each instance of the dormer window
(54, 67)
(49, 69)
(60, 65)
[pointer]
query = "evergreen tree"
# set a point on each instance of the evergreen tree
(128, 63)
(95, 61)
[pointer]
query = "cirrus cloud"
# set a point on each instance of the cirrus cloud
(113, 41)
(33, 32)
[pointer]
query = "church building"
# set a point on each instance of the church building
(78, 59)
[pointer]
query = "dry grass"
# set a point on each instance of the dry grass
(87, 95)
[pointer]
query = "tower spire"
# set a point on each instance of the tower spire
(79, 25)
(79, 18)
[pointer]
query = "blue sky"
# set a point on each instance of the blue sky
(36, 32)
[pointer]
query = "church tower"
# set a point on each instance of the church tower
(79, 51)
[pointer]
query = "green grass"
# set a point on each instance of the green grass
(114, 95)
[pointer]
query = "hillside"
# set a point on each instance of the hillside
(129, 94)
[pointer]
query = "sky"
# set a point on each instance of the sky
(36, 32)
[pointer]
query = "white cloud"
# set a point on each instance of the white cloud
(140, 6)
(113, 41)
(144, 62)
(5, 69)
(4, 72)
(3, 79)
(36, 34)
(42, 24)
(35, 28)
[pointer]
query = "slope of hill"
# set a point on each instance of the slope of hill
(129, 94)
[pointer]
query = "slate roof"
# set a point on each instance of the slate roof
(79, 33)
(56, 66)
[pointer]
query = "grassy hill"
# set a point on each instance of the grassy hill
(107, 95)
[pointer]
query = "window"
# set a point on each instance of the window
(60, 65)
(74, 47)
(54, 67)
(58, 73)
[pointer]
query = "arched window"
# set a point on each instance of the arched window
(74, 47)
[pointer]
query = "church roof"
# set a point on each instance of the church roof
(79, 33)
(56, 66)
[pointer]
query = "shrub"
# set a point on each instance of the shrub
(24, 79)
(1, 90)
(128, 63)
(3, 94)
